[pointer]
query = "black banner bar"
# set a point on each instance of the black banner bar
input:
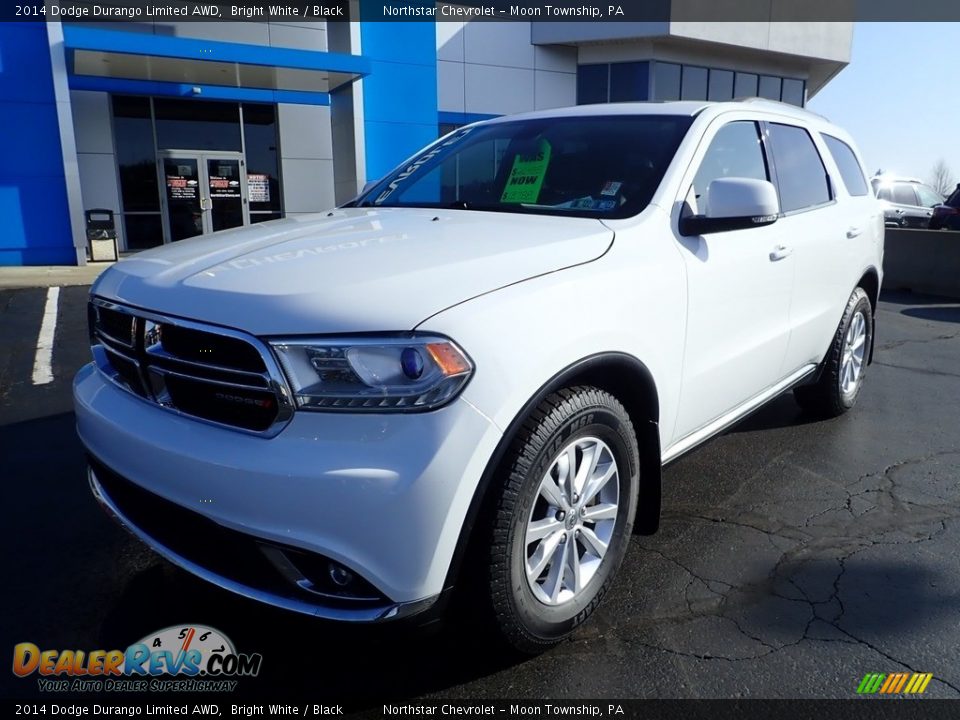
(619, 11)
(171, 705)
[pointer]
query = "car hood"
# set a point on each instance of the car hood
(350, 270)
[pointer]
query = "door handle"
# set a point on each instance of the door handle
(853, 232)
(780, 252)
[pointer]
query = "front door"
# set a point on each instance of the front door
(203, 193)
(740, 283)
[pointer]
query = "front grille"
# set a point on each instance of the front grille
(210, 373)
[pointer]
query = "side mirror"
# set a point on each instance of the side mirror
(734, 204)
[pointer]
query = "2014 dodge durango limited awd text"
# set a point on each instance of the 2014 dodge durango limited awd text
(470, 376)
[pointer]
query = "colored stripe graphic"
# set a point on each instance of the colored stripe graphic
(894, 683)
(871, 683)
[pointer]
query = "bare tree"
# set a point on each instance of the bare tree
(941, 179)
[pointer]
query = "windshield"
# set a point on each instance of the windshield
(582, 166)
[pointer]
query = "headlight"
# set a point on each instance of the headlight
(376, 373)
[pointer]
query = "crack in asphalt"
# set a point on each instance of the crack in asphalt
(894, 344)
(889, 510)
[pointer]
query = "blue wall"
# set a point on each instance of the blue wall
(34, 216)
(400, 94)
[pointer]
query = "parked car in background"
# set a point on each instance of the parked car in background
(907, 202)
(946, 216)
(470, 376)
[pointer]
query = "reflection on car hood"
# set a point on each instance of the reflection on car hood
(351, 270)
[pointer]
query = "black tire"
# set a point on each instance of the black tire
(525, 622)
(828, 397)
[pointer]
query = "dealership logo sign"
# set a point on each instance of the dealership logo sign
(180, 657)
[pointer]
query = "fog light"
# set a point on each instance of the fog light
(340, 575)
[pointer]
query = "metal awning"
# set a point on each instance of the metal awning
(144, 56)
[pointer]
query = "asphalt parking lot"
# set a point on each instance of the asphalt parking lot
(794, 556)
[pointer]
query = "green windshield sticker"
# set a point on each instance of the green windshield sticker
(526, 176)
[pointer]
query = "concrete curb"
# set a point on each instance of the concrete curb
(13, 278)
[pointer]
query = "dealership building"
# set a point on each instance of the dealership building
(185, 128)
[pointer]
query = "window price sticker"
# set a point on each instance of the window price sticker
(526, 176)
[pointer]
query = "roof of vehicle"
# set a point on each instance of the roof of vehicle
(674, 107)
(885, 179)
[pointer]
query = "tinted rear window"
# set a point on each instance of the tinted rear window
(850, 170)
(800, 172)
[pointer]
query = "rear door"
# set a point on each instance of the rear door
(823, 230)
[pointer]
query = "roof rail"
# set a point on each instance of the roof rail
(780, 105)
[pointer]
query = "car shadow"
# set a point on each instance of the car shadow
(781, 412)
(845, 596)
(304, 657)
(79, 580)
(943, 313)
(906, 297)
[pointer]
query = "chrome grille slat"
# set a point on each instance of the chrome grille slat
(240, 398)
(161, 359)
(195, 378)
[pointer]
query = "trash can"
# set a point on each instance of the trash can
(101, 235)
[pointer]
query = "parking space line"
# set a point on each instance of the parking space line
(42, 368)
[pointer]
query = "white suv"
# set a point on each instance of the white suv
(472, 374)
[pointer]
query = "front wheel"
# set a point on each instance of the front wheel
(841, 377)
(563, 517)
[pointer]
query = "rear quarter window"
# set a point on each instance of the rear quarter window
(850, 170)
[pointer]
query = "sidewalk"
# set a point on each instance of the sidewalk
(50, 275)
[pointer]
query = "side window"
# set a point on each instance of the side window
(928, 198)
(903, 194)
(885, 193)
(800, 172)
(735, 151)
(850, 170)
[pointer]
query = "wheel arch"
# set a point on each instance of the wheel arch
(631, 382)
(870, 282)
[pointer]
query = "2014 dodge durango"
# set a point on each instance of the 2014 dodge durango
(470, 376)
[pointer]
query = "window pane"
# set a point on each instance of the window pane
(133, 138)
(745, 85)
(263, 173)
(735, 151)
(197, 125)
(793, 91)
(769, 87)
(142, 231)
(592, 84)
(445, 128)
(581, 166)
(629, 81)
(800, 171)
(666, 81)
(694, 85)
(884, 193)
(721, 85)
(903, 194)
(928, 198)
(850, 170)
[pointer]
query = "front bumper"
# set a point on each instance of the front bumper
(383, 495)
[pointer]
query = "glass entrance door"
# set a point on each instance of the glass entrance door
(203, 193)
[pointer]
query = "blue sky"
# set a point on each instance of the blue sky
(899, 97)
